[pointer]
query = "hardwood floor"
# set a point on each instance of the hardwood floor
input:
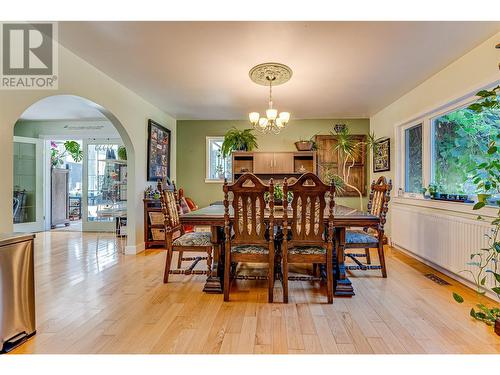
(100, 301)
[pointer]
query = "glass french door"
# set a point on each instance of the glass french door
(101, 185)
(27, 202)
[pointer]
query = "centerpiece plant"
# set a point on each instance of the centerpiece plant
(486, 178)
(238, 140)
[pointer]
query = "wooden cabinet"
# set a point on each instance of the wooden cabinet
(59, 202)
(283, 162)
(263, 162)
(277, 165)
(330, 160)
(152, 205)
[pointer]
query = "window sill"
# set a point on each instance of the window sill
(208, 181)
(457, 207)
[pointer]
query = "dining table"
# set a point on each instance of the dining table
(344, 217)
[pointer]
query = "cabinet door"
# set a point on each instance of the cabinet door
(263, 162)
(283, 162)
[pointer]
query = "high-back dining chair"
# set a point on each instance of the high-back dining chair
(378, 204)
(177, 240)
(247, 238)
(306, 238)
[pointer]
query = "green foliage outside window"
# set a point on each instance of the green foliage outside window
(460, 143)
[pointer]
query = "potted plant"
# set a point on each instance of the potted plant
(278, 195)
(432, 188)
(306, 144)
(71, 148)
(348, 148)
(122, 153)
(238, 140)
(486, 261)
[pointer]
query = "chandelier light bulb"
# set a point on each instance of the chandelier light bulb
(284, 117)
(272, 113)
(263, 122)
(254, 117)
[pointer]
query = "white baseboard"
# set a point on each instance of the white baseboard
(448, 273)
(135, 249)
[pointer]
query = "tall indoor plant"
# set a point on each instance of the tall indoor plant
(348, 148)
(487, 178)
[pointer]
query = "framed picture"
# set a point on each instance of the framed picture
(382, 156)
(159, 139)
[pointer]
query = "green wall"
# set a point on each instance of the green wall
(191, 141)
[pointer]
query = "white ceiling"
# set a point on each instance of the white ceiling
(199, 70)
(62, 107)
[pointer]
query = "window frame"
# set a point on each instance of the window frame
(209, 180)
(427, 121)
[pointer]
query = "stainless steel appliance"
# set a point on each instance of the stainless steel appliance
(17, 290)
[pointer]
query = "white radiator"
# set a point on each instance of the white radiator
(442, 238)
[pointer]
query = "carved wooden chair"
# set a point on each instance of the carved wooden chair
(306, 239)
(367, 238)
(177, 240)
(247, 237)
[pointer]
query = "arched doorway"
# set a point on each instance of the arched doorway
(68, 116)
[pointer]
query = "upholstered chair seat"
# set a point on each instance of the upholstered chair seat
(194, 239)
(249, 249)
(359, 236)
(307, 250)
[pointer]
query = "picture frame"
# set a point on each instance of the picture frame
(382, 156)
(159, 141)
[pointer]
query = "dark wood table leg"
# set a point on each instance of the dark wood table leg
(215, 280)
(343, 286)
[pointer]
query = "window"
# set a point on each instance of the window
(218, 167)
(459, 142)
(413, 159)
(443, 148)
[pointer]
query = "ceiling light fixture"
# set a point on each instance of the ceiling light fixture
(270, 74)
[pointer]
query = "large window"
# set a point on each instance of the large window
(218, 168)
(443, 149)
(413, 159)
(459, 142)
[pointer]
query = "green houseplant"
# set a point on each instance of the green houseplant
(486, 261)
(71, 148)
(238, 140)
(348, 148)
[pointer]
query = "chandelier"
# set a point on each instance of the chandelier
(270, 74)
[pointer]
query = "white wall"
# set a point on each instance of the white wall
(128, 112)
(477, 68)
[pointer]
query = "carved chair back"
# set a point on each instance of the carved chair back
(378, 204)
(308, 204)
(170, 206)
(249, 206)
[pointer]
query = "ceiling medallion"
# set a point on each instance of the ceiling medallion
(269, 74)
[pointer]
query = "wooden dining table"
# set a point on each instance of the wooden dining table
(344, 217)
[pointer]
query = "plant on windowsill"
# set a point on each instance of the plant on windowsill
(71, 148)
(486, 261)
(238, 140)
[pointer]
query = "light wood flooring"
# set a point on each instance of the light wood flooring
(100, 301)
